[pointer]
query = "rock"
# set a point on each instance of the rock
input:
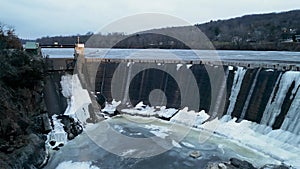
(70, 126)
(71, 136)
(273, 166)
(52, 142)
(213, 166)
(222, 166)
(241, 164)
(195, 154)
(56, 148)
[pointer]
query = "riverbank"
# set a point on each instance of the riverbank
(23, 114)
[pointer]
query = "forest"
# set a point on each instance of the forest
(273, 31)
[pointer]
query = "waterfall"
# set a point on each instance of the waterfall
(245, 108)
(276, 100)
(236, 86)
(58, 134)
(292, 119)
(126, 92)
(220, 95)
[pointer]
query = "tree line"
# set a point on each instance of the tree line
(273, 31)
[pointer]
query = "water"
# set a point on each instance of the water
(58, 52)
(236, 86)
(161, 54)
(83, 149)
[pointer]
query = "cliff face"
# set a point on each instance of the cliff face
(22, 110)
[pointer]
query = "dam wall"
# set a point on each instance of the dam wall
(266, 94)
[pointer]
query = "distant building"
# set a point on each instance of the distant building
(32, 47)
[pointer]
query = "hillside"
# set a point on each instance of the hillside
(274, 31)
(22, 143)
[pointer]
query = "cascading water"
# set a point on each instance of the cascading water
(236, 86)
(245, 108)
(292, 119)
(275, 103)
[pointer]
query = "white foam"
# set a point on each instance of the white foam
(76, 165)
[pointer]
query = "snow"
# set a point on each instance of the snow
(190, 118)
(57, 134)
(270, 144)
(189, 66)
(158, 131)
(281, 145)
(129, 63)
(66, 85)
(178, 66)
(144, 110)
(189, 145)
(76, 165)
(78, 99)
(159, 134)
(128, 152)
(110, 108)
(176, 144)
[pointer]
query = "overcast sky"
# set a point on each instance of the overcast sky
(37, 18)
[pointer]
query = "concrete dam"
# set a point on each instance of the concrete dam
(259, 94)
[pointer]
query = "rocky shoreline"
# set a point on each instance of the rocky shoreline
(235, 163)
